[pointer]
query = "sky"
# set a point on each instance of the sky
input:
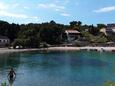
(61, 11)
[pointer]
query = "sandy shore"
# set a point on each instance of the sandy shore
(83, 48)
(6, 50)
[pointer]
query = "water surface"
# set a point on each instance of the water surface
(67, 68)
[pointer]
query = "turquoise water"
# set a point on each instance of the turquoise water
(67, 68)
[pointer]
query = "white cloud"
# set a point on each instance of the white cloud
(59, 6)
(15, 5)
(3, 6)
(66, 2)
(62, 2)
(18, 6)
(51, 6)
(105, 9)
(14, 15)
(12, 11)
(65, 14)
(25, 7)
(35, 18)
(42, 5)
(5, 10)
(56, 6)
(8, 14)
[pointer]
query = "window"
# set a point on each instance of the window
(4, 41)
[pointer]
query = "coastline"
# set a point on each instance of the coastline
(109, 49)
(6, 50)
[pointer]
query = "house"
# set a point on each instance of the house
(103, 30)
(72, 35)
(4, 41)
(110, 29)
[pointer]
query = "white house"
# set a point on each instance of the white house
(110, 28)
(4, 41)
(103, 30)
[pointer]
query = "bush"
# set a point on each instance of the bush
(101, 38)
(26, 43)
(4, 84)
(109, 83)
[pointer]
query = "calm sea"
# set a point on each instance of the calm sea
(59, 68)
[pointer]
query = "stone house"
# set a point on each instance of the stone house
(72, 35)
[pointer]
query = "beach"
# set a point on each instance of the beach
(6, 50)
(82, 48)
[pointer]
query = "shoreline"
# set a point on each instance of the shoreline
(6, 50)
(109, 49)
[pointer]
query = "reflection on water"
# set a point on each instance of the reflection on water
(75, 68)
(11, 81)
(6, 62)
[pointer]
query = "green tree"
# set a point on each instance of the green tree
(76, 25)
(100, 26)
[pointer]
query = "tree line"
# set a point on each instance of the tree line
(32, 34)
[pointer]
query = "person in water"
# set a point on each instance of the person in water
(11, 74)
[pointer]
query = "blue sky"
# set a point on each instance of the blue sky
(61, 11)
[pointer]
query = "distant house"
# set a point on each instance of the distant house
(4, 41)
(110, 29)
(103, 30)
(72, 35)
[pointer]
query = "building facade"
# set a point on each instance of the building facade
(103, 30)
(110, 29)
(4, 41)
(72, 35)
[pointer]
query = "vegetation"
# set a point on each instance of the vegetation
(32, 34)
(100, 38)
(4, 84)
(109, 83)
